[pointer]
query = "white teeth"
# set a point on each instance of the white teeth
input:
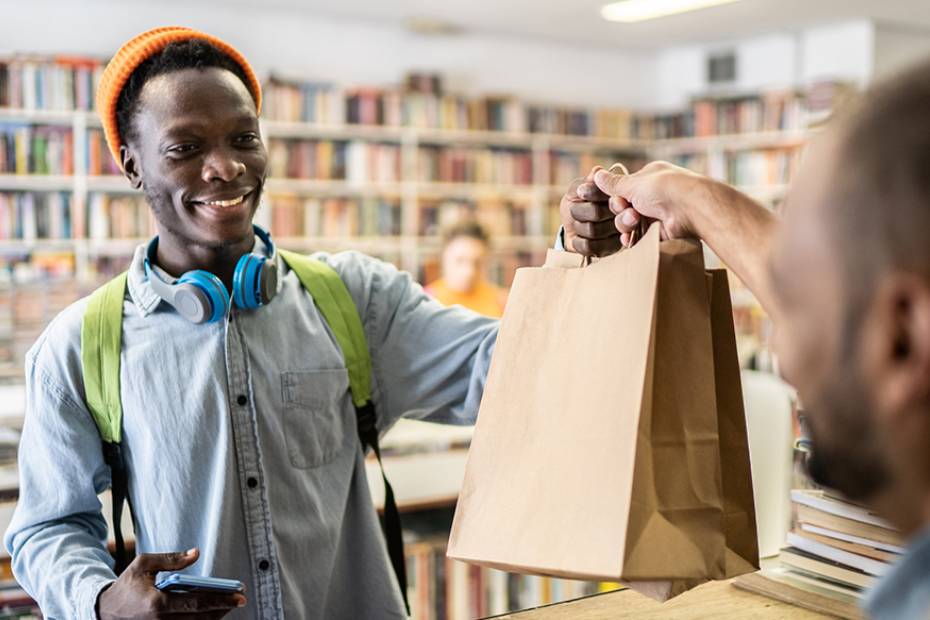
(225, 203)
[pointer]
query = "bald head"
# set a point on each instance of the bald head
(880, 194)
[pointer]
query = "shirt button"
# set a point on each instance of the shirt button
(263, 565)
(241, 399)
(252, 482)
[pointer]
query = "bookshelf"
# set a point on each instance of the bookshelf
(380, 171)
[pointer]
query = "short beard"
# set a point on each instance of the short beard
(164, 214)
(851, 460)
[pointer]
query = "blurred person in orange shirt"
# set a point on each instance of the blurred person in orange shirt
(464, 265)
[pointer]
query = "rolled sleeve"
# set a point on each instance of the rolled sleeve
(57, 537)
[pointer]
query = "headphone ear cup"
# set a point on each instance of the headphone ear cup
(269, 281)
(247, 282)
(201, 297)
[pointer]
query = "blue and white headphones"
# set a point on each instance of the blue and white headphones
(200, 297)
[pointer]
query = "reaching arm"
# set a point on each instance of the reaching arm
(429, 362)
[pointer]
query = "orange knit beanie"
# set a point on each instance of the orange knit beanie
(136, 51)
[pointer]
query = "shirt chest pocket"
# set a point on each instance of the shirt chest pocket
(317, 423)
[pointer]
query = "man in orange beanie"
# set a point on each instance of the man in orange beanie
(239, 438)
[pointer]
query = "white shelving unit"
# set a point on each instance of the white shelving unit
(409, 246)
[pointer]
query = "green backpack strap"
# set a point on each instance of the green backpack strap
(334, 302)
(101, 339)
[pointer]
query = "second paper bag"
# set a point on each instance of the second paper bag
(596, 454)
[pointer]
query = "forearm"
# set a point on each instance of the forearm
(63, 565)
(741, 232)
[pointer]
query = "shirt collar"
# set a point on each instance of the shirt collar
(140, 289)
(904, 591)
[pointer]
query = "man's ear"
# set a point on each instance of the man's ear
(896, 345)
(130, 164)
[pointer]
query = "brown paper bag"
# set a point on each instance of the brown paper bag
(597, 452)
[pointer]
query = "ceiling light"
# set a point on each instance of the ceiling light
(630, 11)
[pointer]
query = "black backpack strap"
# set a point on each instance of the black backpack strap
(393, 533)
(119, 488)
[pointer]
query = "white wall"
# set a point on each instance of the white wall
(897, 47)
(347, 52)
(837, 51)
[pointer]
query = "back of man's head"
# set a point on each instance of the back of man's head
(882, 191)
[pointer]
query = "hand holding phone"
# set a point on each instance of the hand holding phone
(134, 593)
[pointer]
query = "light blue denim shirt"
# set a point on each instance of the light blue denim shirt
(904, 592)
(272, 490)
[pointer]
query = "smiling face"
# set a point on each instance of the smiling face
(197, 153)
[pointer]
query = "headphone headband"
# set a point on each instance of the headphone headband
(201, 297)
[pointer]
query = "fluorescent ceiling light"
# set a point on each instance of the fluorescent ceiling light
(630, 11)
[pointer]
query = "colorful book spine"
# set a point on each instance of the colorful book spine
(36, 149)
(475, 165)
(442, 588)
(119, 217)
(33, 216)
(41, 83)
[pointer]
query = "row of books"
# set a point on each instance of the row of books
(15, 604)
(33, 290)
(42, 83)
(292, 216)
(64, 83)
(565, 167)
(836, 550)
(475, 165)
(31, 149)
(444, 589)
(118, 217)
(355, 161)
(772, 111)
(325, 103)
(775, 166)
(99, 159)
(32, 215)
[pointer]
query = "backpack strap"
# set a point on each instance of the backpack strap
(334, 302)
(101, 339)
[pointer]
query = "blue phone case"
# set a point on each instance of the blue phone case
(177, 582)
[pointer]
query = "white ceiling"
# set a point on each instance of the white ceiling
(579, 21)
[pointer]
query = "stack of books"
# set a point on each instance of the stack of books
(836, 551)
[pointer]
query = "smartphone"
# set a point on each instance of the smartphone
(177, 582)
